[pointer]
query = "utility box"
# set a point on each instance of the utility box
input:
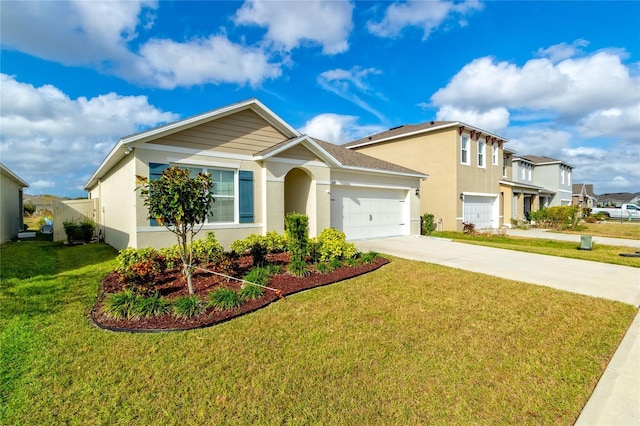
(585, 242)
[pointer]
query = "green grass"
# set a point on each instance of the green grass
(598, 253)
(411, 343)
(611, 228)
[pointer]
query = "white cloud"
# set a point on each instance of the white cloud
(427, 15)
(45, 133)
(538, 140)
(292, 23)
(213, 60)
(558, 52)
(493, 120)
(348, 83)
(337, 128)
(73, 32)
(571, 88)
(101, 35)
(623, 122)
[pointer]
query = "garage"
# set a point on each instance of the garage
(481, 210)
(369, 212)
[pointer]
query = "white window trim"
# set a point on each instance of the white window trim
(467, 150)
(236, 200)
(494, 153)
(482, 154)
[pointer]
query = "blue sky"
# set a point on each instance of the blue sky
(559, 79)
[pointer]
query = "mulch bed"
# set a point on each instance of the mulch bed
(173, 285)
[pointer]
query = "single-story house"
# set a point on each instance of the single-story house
(11, 211)
(262, 168)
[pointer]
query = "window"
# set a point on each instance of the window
(562, 176)
(481, 153)
(225, 191)
(568, 176)
(504, 165)
(494, 156)
(529, 171)
(222, 210)
(464, 150)
(523, 171)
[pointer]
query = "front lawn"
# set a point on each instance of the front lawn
(412, 343)
(598, 253)
(611, 228)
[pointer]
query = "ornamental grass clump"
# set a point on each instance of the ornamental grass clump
(186, 307)
(121, 305)
(224, 298)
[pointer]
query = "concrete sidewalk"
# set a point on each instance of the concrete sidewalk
(549, 234)
(616, 398)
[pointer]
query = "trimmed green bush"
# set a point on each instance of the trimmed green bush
(332, 244)
(276, 243)
(297, 231)
(428, 224)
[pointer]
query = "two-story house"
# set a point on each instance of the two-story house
(464, 163)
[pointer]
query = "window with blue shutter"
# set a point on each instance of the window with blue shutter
(245, 193)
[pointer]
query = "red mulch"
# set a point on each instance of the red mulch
(173, 285)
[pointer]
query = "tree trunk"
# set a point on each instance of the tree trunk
(187, 273)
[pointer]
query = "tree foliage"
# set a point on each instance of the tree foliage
(180, 203)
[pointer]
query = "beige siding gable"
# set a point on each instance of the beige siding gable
(298, 152)
(244, 132)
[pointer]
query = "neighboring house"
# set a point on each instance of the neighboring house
(583, 195)
(551, 175)
(11, 210)
(617, 199)
(464, 163)
(262, 169)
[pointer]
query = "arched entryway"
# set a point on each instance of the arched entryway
(299, 195)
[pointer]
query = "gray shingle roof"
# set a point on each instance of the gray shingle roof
(398, 131)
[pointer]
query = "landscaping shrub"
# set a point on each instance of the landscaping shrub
(297, 231)
(276, 243)
(332, 244)
(129, 256)
(428, 224)
(559, 217)
(154, 305)
(188, 306)
(141, 277)
(250, 292)
(254, 244)
(224, 298)
(368, 257)
(206, 250)
(468, 228)
(121, 305)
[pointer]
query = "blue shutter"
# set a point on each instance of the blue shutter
(155, 172)
(245, 191)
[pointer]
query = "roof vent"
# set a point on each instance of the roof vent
(433, 122)
(397, 127)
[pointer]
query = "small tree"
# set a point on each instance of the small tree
(180, 203)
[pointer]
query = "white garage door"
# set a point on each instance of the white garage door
(369, 212)
(480, 210)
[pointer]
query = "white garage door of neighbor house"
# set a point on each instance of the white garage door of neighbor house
(369, 212)
(481, 211)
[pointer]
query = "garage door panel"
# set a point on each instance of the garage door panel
(481, 211)
(368, 212)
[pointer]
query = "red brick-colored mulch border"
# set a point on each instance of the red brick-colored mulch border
(172, 286)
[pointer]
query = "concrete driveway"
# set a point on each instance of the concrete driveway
(620, 283)
(616, 398)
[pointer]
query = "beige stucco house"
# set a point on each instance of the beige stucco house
(263, 168)
(464, 163)
(11, 210)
